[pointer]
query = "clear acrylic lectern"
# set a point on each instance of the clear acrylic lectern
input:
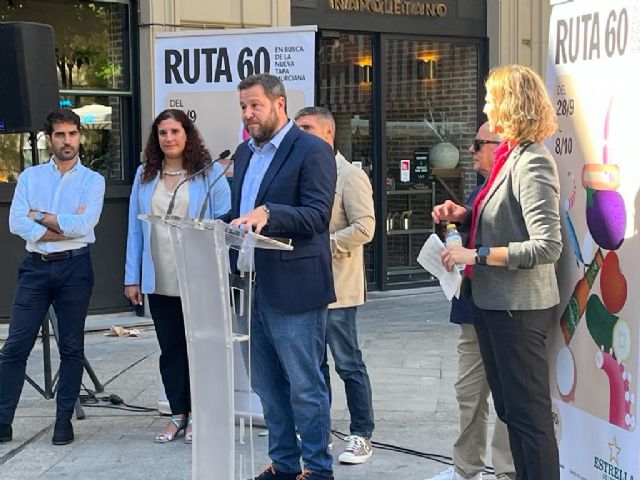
(217, 311)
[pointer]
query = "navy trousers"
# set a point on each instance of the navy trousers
(67, 285)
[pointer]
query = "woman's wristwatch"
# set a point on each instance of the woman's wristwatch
(482, 254)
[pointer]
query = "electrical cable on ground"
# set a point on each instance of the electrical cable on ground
(113, 401)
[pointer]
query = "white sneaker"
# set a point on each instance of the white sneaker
(358, 450)
(451, 474)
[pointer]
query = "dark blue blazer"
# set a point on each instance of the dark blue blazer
(298, 188)
(461, 308)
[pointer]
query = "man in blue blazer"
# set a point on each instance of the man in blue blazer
(284, 186)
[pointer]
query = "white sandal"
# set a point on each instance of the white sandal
(167, 435)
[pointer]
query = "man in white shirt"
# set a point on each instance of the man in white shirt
(55, 208)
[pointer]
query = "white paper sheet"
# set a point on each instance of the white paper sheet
(429, 258)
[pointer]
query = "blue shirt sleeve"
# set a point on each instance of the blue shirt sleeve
(79, 225)
(19, 221)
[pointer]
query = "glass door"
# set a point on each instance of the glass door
(345, 89)
(430, 92)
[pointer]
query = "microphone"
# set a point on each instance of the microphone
(203, 208)
(222, 156)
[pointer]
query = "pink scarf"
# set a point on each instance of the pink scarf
(500, 156)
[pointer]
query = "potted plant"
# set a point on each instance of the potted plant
(443, 154)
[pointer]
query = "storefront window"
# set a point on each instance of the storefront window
(15, 154)
(431, 92)
(93, 68)
(345, 63)
(102, 134)
(90, 51)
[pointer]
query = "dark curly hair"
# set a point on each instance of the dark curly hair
(195, 154)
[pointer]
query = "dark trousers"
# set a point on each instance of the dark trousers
(512, 344)
(67, 285)
(174, 361)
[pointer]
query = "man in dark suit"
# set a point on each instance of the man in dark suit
(284, 186)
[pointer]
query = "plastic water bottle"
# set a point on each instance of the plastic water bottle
(452, 238)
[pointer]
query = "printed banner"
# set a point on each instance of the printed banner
(594, 54)
(199, 72)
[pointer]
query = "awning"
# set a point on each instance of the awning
(94, 116)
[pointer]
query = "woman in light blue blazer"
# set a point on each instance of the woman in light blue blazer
(174, 151)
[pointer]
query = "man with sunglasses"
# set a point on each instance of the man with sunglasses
(472, 388)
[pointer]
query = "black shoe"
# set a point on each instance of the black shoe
(62, 432)
(6, 434)
(270, 473)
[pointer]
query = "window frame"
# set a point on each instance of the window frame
(129, 103)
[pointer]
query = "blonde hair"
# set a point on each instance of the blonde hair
(521, 104)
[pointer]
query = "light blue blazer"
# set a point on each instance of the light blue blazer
(139, 268)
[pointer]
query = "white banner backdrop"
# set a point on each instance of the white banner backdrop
(593, 63)
(199, 72)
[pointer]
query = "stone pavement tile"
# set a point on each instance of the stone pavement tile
(123, 450)
(401, 375)
(447, 410)
(421, 359)
(409, 347)
(419, 399)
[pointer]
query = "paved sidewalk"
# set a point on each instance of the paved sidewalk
(409, 348)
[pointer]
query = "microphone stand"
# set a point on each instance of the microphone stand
(222, 156)
(203, 208)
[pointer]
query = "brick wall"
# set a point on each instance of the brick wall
(448, 101)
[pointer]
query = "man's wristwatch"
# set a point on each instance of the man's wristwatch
(482, 254)
(38, 217)
(267, 211)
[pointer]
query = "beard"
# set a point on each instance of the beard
(65, 154)
(261, 132)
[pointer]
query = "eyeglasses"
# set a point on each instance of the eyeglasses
(477, 144)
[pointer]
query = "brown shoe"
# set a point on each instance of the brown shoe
(270, 473)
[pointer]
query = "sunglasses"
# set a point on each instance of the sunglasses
(477, 144)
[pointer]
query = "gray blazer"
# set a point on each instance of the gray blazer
(522, 212)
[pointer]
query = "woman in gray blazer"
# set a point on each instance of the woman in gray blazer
(515, 241)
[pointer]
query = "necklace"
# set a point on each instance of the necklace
(173, 173)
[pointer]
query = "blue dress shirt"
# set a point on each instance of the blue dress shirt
(258, 165)
(45, 189)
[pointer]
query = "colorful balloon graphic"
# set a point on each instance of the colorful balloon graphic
(606, 218)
